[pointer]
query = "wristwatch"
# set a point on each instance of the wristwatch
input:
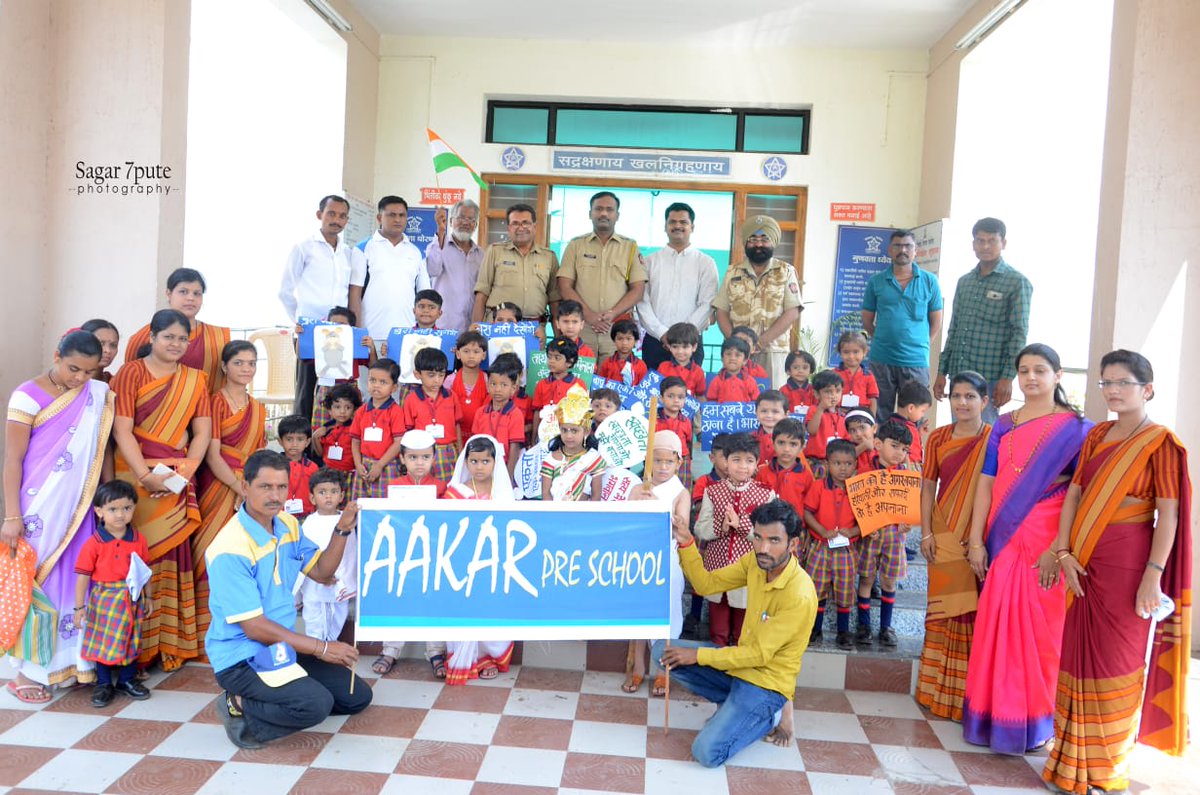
(343, 533)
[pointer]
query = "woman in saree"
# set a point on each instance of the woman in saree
(238, 429)
(1123, 540)
(185, 294)
(110, 339)
(953, 463)
(163, 417)
(55, 438)
(1013, 666)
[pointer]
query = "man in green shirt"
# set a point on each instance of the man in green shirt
(990, 319)
(756, 679)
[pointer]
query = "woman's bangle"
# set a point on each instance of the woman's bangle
(1152, 565)
(926, 538)
(975, 546)
(1065, 554)
(14, 518)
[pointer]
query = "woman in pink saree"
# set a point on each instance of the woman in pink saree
(55, 438)
(1013, 669)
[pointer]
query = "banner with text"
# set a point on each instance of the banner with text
(434, 570)
(403, 345)
(861, 253)
(637, 398)
(885, 496)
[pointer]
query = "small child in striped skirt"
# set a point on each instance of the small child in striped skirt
(110, 614)
(832, 558)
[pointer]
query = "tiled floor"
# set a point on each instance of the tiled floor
(531, 731)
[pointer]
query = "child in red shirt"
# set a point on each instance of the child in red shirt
(112, 633)
(561, 356)
(770, 407)
(799, 366)
(375, 433)
(860, 427)
(417, 448)
(670, 418)
(859, 388)
(824, 422)
(681, 340)
(332, 440)
(913, 401)
(752, 368)
(786, 472)
(294, 437)
(623, 366)
(432, 408)
(468, 383)
(732, 385)
(569, 324)
(501, 418)
(833, 551)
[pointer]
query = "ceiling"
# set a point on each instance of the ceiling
(873, 24)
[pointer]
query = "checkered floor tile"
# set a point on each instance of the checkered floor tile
(530, 731)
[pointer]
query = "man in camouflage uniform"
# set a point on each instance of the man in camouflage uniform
(763, 293)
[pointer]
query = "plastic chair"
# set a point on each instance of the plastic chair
(281, 369)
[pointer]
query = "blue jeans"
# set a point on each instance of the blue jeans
(746, 714)
(891, 378)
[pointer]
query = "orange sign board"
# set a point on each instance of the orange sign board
(851, 211)
(885, 496)
(437, 196)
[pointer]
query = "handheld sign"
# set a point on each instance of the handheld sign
(637, 398)
(307, 347)
(885, 496)
(718, 418)
(519, 338)
(622, 439)
(403, 344)
(539, 370)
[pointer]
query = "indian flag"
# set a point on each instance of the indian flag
(445, 158)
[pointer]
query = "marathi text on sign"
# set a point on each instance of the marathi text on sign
(850, 211)
(883, 497)
(441, 195)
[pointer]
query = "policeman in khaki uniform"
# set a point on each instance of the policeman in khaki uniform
(763, 293)
(603, 271)
(517, 271)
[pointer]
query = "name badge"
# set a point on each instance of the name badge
(850, 401)
(992, 295)
(436, 431)
(373, 434)
(334, 453)
(294, 506)
(838, 541)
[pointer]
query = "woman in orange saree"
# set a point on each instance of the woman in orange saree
(1130, 471)
(163, 417)
(238, 429)
(953, 462)
(185, 294)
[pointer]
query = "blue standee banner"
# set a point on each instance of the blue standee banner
(308, 326)
(718, 418)
(861, 253)
(637, 398)
(459, 570)
(404, 343)
(519, 338)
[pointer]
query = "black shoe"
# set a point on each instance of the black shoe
(888, 637)
(815, 637)
(863, 636)
(134, 689)
(102, 696)
(845, 640)
(235, 724)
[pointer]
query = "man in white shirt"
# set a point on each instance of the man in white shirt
(388, 273)
(316, 278)
(682, 284)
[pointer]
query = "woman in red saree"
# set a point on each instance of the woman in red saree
(185, 294)
(110, 340)
(1118, 556)
(953, 462)
(238, 429)
(1013, 667)
(163, 417)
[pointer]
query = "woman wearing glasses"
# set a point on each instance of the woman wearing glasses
(1123, 540)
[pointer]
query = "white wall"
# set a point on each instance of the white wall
(867, 116)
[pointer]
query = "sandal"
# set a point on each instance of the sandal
(383, 664)
(659, 689)
(633, 683)
(438, 663)
(29, 694)
(489, 672)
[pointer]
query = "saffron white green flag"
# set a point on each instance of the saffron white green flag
(445, 158)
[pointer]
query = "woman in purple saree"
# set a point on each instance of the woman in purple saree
(1013, 668)
(55, 438)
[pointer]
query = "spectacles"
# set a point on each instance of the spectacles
(1122, 384)
(520, 223)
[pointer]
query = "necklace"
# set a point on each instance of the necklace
(475, 489)
(978, 430)
(58, 386)
(234, 404)
(1036, 445)
(1136, 428)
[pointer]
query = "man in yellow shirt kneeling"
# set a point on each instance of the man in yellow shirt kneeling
(755, 680)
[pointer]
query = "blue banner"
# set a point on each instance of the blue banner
(519, 338)
(459, 570)
(421, 229)
(725, 418)
(637, 398)
(308, 326)
(861, 253)
(403, 344)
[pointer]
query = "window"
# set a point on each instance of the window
(648, 127)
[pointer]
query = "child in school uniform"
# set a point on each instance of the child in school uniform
(681, 340)
(769, 408)
(732, 385)
(326, 607)
(799, 366)
(786, 472)
(468, 383)
(882, 552)
(501, 417)
(294, 437)
(375, 433)
(623, 366)
(569, 324)
(605, 403)
(561, 356)
(824, 420)
(859, 388)
(724, 522)
(860, 427)
(111, 618)
(432, 408)
(572, 470)
(331, 441)
(752, 368)
(912, 403)
(832, 553)
(719, 471)
(670, 418)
